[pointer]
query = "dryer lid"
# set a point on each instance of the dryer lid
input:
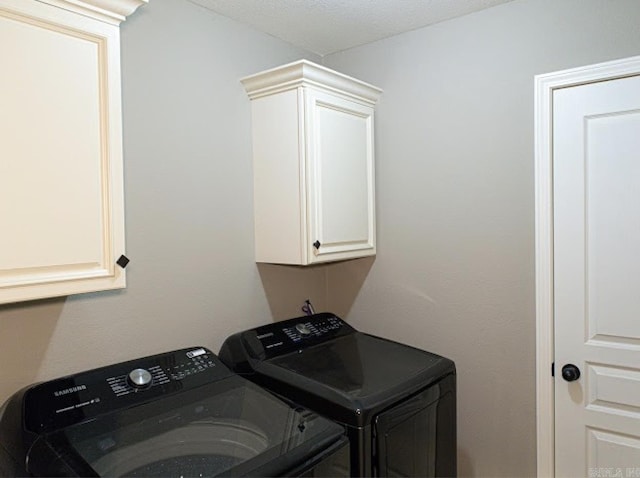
(323, 363)
(364, 370)
(359, 366)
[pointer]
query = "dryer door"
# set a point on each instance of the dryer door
(417, 436)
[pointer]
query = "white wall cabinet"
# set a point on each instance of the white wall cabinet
(61, 179)
(314, 196)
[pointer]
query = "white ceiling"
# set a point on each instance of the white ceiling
(328, 26)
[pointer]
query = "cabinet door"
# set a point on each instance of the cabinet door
(340, 180)
(61, 198)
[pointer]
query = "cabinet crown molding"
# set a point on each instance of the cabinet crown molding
(111, 11)
(307, 73)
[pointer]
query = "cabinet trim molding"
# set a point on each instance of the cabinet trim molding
(111, 11)
(305, 73)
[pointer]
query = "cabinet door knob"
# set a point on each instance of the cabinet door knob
(123, 261)
(317, 244)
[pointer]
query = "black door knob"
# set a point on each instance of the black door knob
(570, 372)
(317, 244)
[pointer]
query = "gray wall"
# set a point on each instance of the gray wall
(455, 195)
(189, 213)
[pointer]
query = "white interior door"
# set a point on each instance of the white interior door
(596, 241)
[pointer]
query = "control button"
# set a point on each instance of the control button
(139, 378)
(303, 329)
(196, 353)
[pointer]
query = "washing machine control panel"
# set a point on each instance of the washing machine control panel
(69, 400)
(313, 327)
(283, 337)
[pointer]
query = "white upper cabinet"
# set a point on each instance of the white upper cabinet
(314, 195)
(61, 181)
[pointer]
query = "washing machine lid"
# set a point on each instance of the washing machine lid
(182, 411)
(343, 374)
(231, 428)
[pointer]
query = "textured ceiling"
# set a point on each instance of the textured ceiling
(327, 26)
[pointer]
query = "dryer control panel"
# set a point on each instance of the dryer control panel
(69, 400)
(295, 334)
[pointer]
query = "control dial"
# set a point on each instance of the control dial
(139, 378)
(303, 329)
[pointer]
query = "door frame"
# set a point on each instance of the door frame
(543, 136)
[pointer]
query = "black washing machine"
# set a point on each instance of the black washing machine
(397, 402)
(178, 414)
